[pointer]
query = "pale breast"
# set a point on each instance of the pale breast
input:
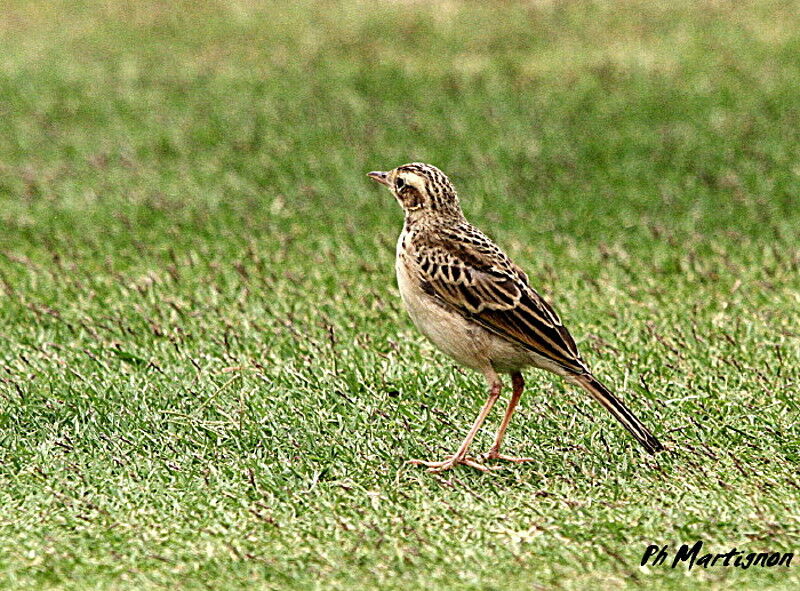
(450, 332)
(463, 340)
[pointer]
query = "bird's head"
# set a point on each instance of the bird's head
(421, 189)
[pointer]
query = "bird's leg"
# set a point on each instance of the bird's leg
(494, 452)
(460, 457)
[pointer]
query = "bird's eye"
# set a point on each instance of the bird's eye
(399, 184)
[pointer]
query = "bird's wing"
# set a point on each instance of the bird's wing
(472, 276)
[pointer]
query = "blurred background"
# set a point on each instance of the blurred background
(626, 112)
(206, 374)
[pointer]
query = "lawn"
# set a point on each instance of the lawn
(207, 380)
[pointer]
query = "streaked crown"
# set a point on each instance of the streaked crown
(421, 188)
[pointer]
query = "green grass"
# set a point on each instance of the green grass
(206, 376)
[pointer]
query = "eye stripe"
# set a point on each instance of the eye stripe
(433, 189)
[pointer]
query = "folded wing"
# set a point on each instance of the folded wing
(476, 279)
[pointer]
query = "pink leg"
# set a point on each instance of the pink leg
(494, 452)
(460, 457)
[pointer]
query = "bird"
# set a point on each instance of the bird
(467, 297)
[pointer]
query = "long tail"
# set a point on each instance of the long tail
(621, 412)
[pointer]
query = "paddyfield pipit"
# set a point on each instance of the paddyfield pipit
(473, 303)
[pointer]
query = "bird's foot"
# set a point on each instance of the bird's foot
(495, 455)
(450, 462)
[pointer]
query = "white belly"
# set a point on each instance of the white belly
(464, 341)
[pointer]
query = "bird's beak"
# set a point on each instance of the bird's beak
(379, 177)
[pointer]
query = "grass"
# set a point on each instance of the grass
(206, 377)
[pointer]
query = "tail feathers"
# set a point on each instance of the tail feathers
(621, 412)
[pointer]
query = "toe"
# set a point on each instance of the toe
(453, 461)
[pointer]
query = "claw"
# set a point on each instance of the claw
(497, 456)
